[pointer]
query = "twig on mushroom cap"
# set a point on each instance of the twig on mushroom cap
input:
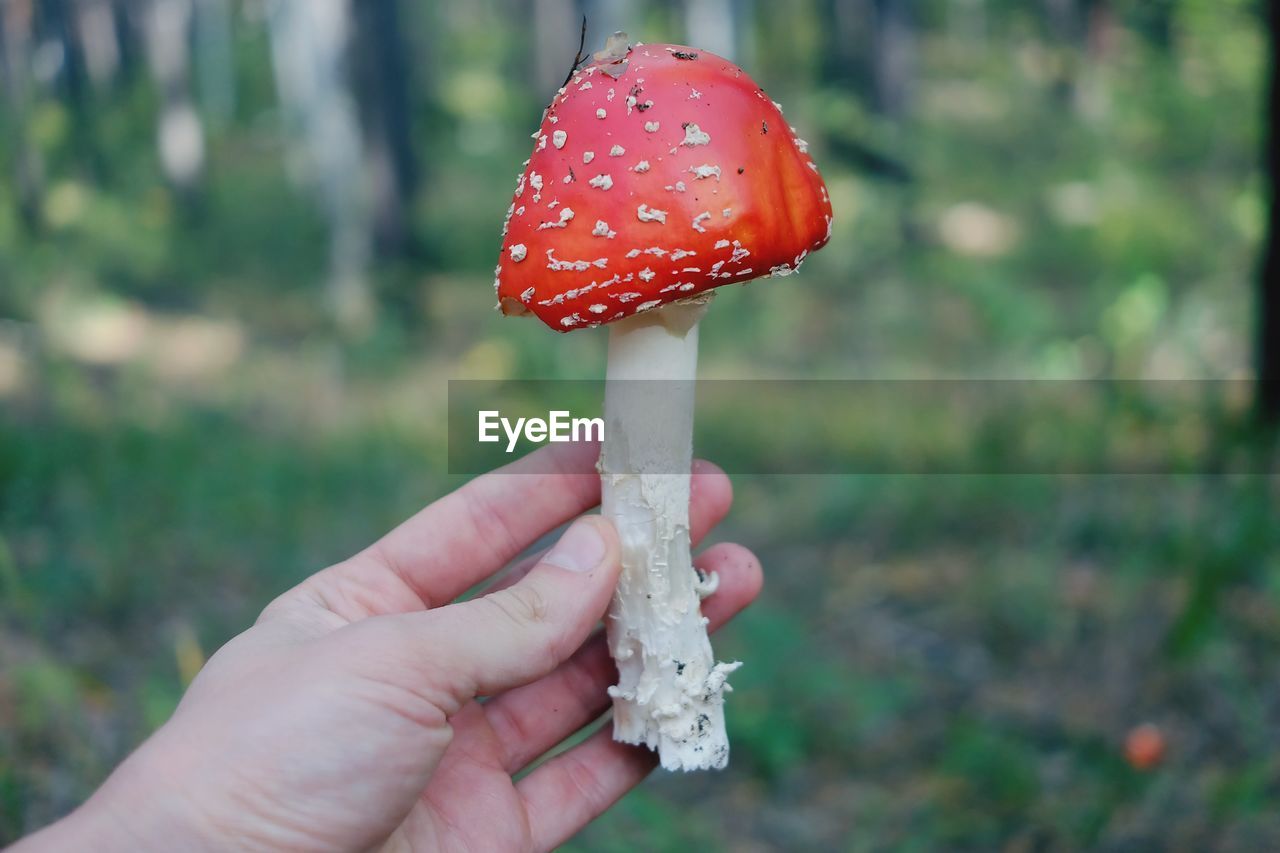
(577, 59)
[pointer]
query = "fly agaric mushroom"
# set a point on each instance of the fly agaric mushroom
(659, 173)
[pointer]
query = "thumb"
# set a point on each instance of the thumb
(518, 634)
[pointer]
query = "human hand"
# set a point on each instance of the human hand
(348, 716)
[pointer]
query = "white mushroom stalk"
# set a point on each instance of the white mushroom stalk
(670, 691)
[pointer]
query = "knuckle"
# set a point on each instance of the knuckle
(523, 605)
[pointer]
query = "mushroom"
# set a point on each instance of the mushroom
(700, 183)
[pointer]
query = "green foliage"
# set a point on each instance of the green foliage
(939, 662)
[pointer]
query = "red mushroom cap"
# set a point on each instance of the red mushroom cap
(659, 172)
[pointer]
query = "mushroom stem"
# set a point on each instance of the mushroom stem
(670, 691)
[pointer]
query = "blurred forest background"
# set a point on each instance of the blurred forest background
(245, 243)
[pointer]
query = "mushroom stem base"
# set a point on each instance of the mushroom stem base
(670, 691)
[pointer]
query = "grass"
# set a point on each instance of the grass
(949, 658)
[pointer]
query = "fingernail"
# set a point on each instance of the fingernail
(580, 549)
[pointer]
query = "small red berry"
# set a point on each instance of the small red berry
(1144, 746)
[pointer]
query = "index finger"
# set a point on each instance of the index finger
(471, 533)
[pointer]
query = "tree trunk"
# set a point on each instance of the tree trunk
(96, 31)
(59, 20)
(15, 57)
(382, 81)
(1268, 329)
(129, 28)
(180, 131)
(847, 27)
(309, 44)
(215, 61)
(894, 56)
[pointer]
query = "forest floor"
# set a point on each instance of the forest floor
(938, 660)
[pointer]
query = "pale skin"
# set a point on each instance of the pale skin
(348, 717)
